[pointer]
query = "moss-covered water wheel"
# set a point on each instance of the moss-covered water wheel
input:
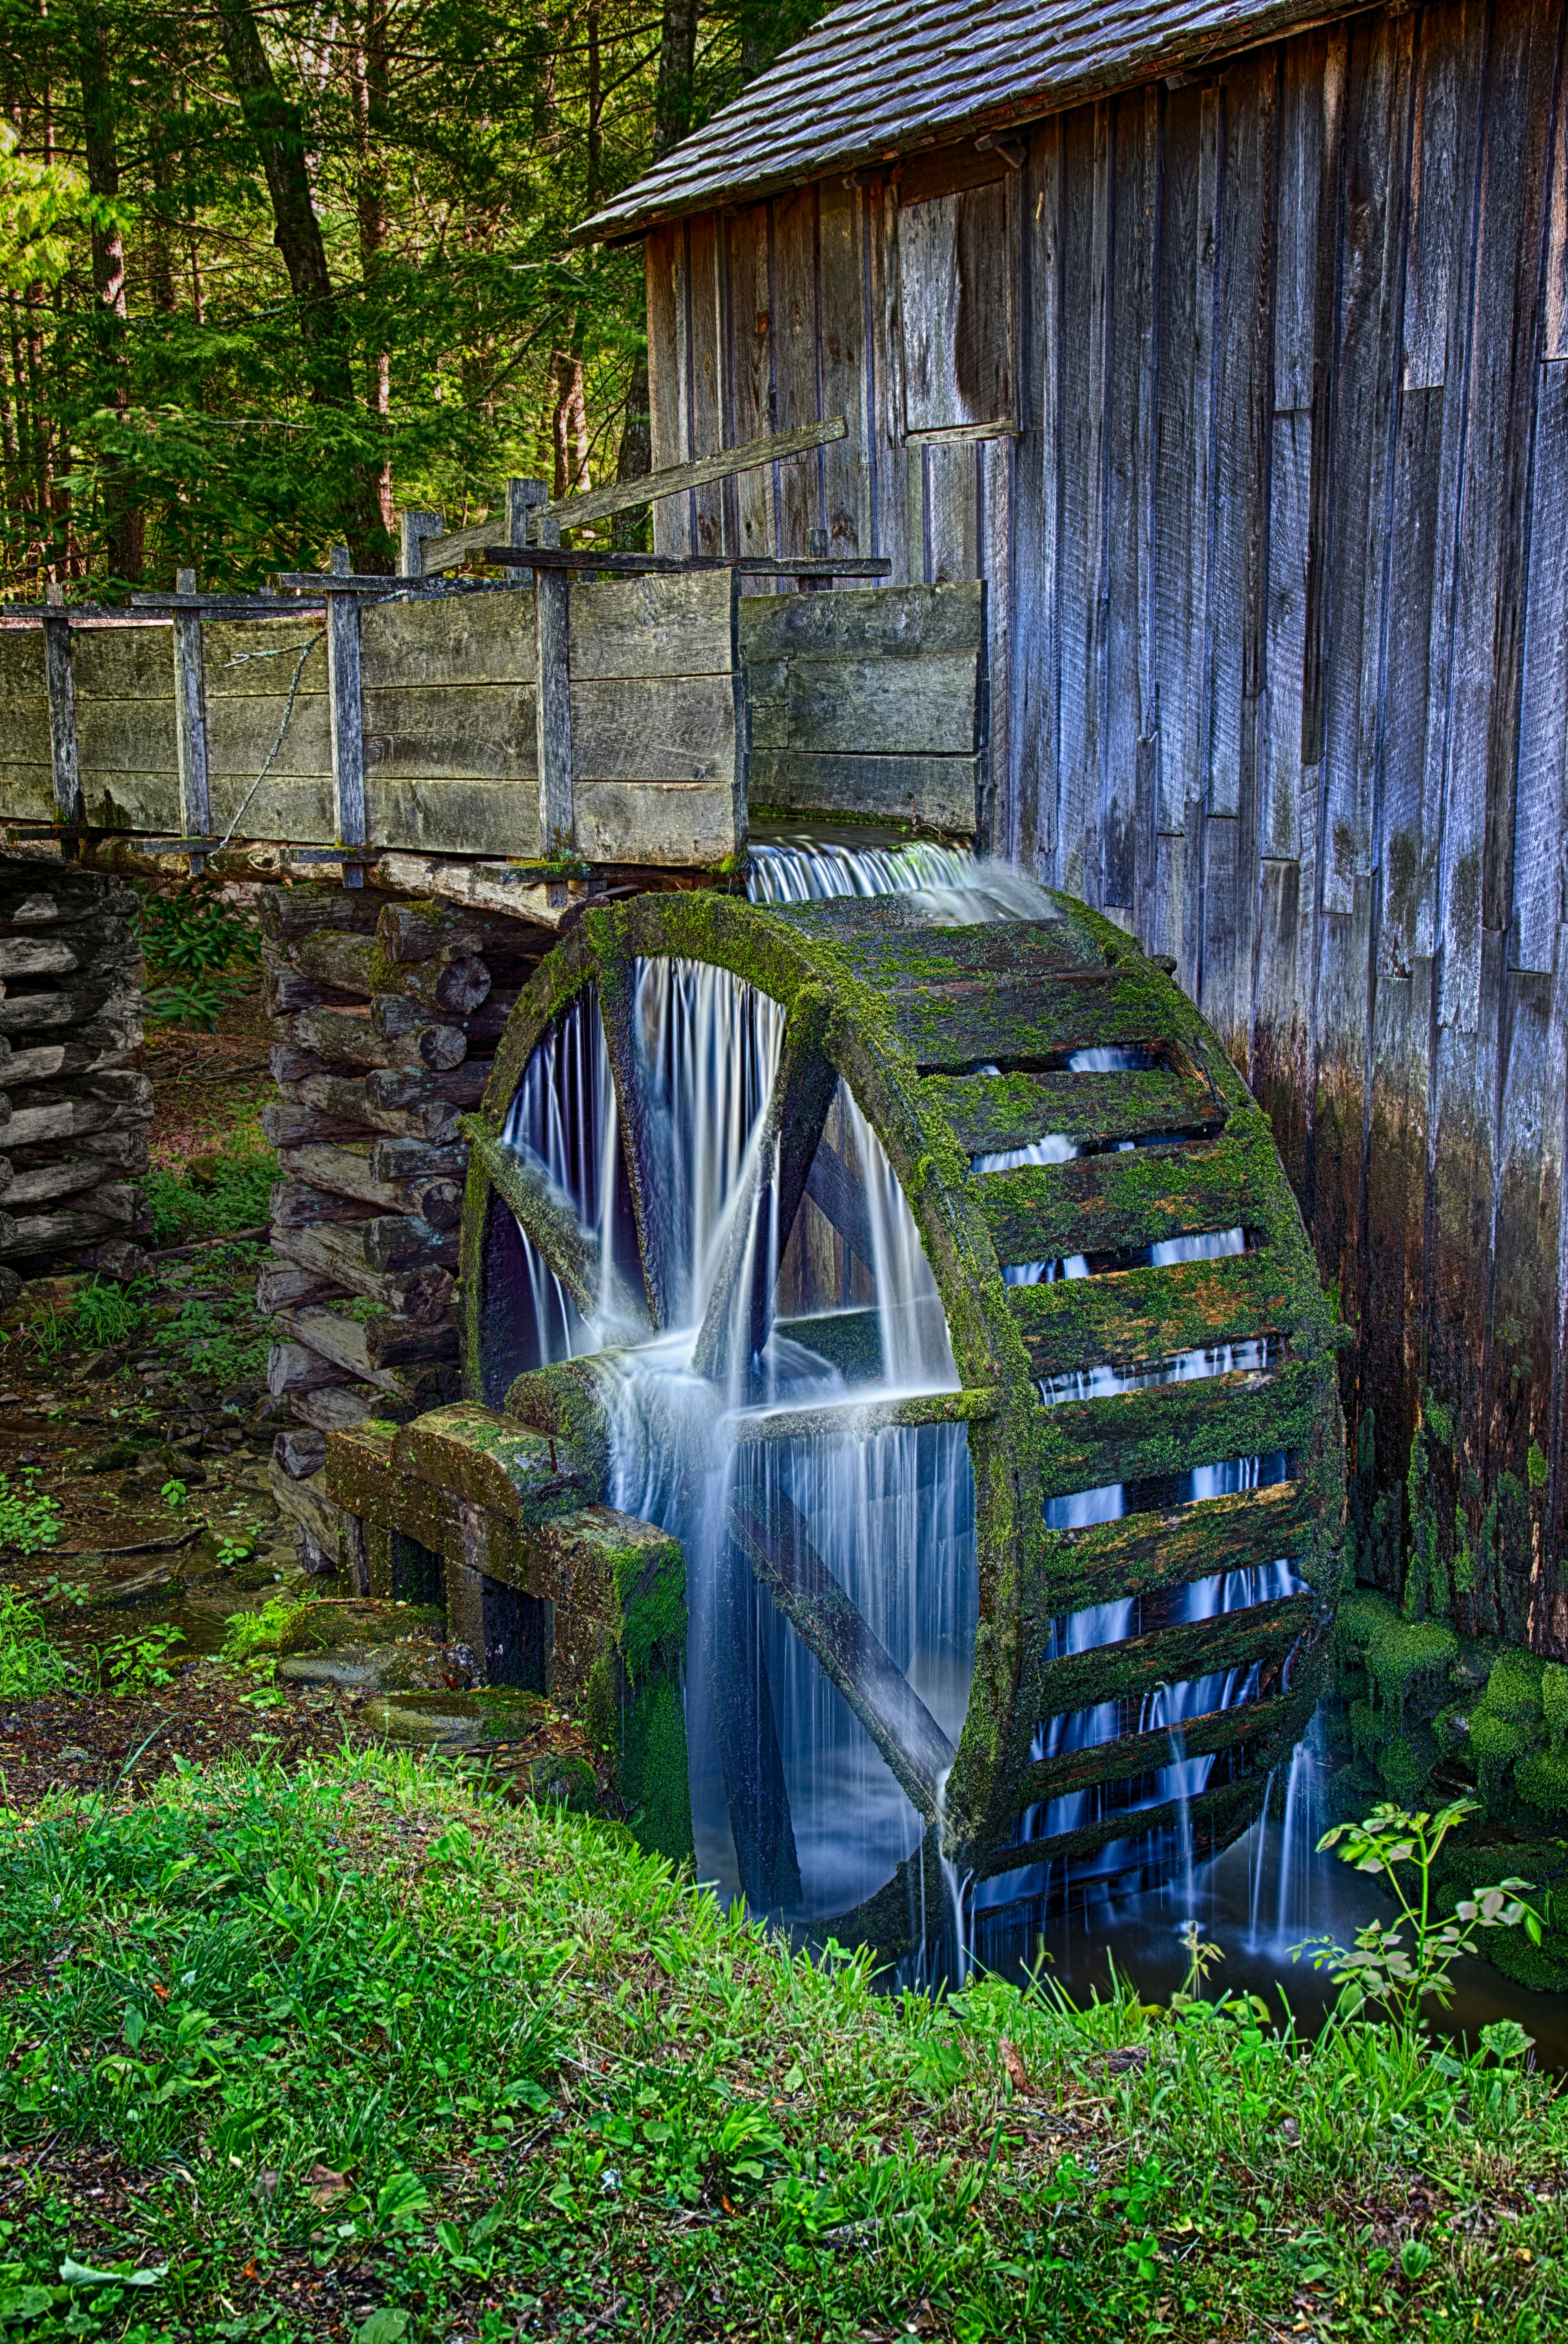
(956, 1042)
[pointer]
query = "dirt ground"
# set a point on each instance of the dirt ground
(136, 1514)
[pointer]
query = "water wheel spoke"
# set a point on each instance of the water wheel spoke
(618, 1010)
(845, 1647)
(548, 1218)
(739, 1307)
(842, 1200)
(855, 1419)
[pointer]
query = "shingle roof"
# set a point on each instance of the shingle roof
(878, 78)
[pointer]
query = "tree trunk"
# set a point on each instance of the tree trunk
(123, 522)
(569, 424)
(276, 125)
(672, 117)
(368, 84)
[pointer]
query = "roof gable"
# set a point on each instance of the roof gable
(877, 79)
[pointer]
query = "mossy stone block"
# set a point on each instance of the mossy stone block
(561, 1779)
(489, 1460)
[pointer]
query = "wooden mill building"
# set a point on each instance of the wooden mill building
(1229, 346)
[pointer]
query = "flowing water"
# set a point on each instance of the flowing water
(792, 1805)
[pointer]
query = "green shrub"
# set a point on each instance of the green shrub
(237, 1196)
(200, 955)
(29, 1664)
(29, 1521)
(104, 1314)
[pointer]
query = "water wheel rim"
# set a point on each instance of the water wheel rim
(804, 958)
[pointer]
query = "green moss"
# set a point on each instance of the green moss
(1513, 1689)
(1554, 1701)
(1405, 1761)
(653, 1766)
(651, 1596)
(1410, 1658)
(1542, 1778)
(562, 1780)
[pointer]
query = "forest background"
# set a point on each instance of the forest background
(272, 269)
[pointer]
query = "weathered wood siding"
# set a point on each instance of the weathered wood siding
(1259, 438)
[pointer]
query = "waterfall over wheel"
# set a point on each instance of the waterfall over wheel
(921, 1262)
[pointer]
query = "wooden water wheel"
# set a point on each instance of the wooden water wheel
(955, 1043)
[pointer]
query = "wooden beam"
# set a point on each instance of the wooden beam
(626, 496)
(416, 525)
(346, 719)
(190, 722)
(837, 1633)
(553, 709)
(62, 689)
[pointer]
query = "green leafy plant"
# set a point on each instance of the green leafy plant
(235, 1196)
(130, 1666)
(29, 1664)
(1382, 1968)
(200, 954)
(29, 1518)
(105, 1314)
(175, 1495)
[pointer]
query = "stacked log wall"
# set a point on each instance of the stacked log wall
(74, 1111)
(385, 1011)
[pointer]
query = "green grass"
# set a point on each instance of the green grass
(354, 2056)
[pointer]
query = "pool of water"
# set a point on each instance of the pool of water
(1267, 1894)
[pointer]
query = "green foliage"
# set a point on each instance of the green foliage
(277, 1628)
(236, 1196)
(201, 954)
(129, 1667)
(29, 1517)
(104, 1314)
(29, 1664)
(408, 304)
(1384, 1970)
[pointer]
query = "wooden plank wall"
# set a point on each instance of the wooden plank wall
(867, 704)
(1277, 573)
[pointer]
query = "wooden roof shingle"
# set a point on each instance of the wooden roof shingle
(877, 79)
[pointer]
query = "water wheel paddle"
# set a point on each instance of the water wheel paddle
(1166, 1322)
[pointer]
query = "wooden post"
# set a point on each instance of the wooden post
(414, 525)
(62, 689)
(346, 716)
(190, 722)
(552, 707)
(523, 498)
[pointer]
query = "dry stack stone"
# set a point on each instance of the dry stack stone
(386, 1014)
(73, 1115)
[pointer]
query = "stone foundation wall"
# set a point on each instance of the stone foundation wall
(386, 1010)
(74, 1111)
